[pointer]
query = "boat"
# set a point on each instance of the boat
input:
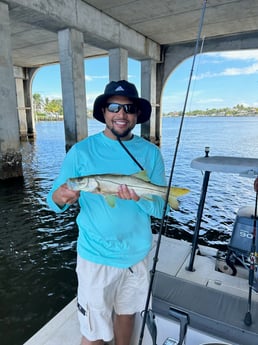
(200, 295)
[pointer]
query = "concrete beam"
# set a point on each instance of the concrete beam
(99, 29)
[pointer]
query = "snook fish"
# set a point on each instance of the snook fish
(107, 185)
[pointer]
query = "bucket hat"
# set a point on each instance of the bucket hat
(122, 88)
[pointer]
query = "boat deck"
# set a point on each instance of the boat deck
(216, 302)
(62, 329)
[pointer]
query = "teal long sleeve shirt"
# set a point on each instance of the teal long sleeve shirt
(117, 236)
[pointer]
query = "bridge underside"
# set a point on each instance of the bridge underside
(158, 34)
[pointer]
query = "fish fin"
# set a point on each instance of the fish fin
(177, 191)
(142, 175)
(173, 202)
(111, 200)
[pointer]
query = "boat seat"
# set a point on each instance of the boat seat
(210, 310)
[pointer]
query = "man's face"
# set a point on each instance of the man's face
(121, 122)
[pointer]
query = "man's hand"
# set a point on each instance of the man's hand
(125, 193)
(63, 195)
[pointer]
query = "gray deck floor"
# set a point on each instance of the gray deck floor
(173, 260)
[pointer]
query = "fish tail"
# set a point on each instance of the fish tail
(177, 191)
(173, 194)
(173, 202)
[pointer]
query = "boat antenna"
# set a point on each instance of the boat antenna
(155, 258)
(248, 316)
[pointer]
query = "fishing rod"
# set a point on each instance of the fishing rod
(156, 255)
(248, 316)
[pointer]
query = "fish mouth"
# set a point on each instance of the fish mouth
(71, 185)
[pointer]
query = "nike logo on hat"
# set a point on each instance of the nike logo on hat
(119, 88)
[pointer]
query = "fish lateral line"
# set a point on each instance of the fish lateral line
(107, 185)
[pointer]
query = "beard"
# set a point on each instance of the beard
(119, 134)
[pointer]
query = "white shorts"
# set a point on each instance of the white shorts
(103, 290)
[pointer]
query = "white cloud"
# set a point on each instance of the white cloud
(230, 71)
(93, 77)
(239, 55)
(48, 95)
(90, 98)
(252, 69)
(205, 75)
(209, 100)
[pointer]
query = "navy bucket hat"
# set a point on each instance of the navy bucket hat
(122, 88)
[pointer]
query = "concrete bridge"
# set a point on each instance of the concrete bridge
(158, 33)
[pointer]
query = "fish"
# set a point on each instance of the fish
(107, 185)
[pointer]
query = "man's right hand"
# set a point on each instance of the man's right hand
(63, 195)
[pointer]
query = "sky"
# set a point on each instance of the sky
(219, 80)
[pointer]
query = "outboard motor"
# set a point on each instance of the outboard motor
(240, 244)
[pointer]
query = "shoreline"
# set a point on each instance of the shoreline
(59, 118)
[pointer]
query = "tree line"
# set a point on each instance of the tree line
(46, 109)
(237, 110)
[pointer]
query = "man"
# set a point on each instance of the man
(113, 242)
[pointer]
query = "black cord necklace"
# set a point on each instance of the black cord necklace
(129, 153)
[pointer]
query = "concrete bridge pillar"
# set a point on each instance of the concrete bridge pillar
(19, 77)
(118, 69)
(10, 156)
(29, 75)
(159, 89)
(151, 129)
(73, 85)
(118, 64)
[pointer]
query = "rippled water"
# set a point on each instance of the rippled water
(227, 192)
(37, 247)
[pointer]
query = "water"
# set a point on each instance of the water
(38, 247)
(227, 192)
